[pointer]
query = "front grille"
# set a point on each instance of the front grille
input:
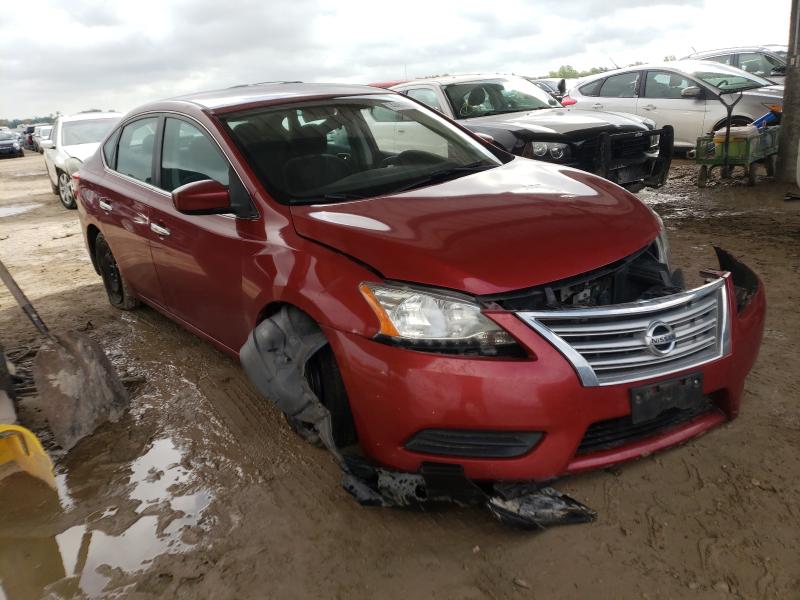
(628, 342)
(612, 433)
(629, 147)
(473, 443)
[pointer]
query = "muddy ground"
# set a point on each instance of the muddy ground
(203, 492)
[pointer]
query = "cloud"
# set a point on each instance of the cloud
(79, 54)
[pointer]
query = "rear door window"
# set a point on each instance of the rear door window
(189, 155)
(620, 86)
(758, 63)
(136, 147)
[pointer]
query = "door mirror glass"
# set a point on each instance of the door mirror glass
(693, 92)
(202, 198)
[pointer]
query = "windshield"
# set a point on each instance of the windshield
(44, 132)
(4, 136)
(496, 96)
(730, 79)
(90, 131)
(354, 147)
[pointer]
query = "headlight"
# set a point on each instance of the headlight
(556, 150)
(662, 244)
(436, 322)
(16, 145)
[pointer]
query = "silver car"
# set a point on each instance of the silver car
(765, 61)
(75, 138)
(683, 94)
(41, 137)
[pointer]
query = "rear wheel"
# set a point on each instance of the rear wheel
(117, 290)
(65, 191)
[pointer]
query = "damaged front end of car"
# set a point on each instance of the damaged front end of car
(601, 322)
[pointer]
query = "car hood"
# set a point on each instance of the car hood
(80, 151)
(8, 142)
(560, 121)
(518, 225)
(768, 92)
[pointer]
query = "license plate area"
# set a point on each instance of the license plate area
(649, 401)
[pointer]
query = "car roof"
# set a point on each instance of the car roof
(269, 92)
(86, 116)
(729, 50)
(451, 79)
(681, 66)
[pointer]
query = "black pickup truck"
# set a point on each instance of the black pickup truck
(524, 120)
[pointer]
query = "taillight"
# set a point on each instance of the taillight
(567, 101)
(76, 182)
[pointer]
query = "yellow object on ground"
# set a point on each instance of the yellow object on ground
(20, 450)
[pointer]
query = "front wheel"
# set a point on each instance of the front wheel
(117, 290)
(65, 191)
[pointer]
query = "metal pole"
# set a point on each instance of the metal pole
(789, 140)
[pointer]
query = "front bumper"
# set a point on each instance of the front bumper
(396, 393)
(634, 170)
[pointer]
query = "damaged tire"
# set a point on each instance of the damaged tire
(117, 290)
(289, 360)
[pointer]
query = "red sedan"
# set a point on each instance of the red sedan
(448, 307)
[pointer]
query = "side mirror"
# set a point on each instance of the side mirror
(202, 198)
(562, 87)
(693, 92)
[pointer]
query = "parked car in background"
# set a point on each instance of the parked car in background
(525, 120)
(557, 88)
(10, 145)
(444, 304)
(683, 94)
(768, 62)
(41, 137)
(74, 139)
(27, 135)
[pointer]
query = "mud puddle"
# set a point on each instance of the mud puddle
(11, 210)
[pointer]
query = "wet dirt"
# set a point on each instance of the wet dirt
(202, 491)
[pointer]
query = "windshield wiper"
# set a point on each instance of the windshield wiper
(443, 175)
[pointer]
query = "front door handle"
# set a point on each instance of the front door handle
(649, 107)
(159, 230)
(597, 106)
(106, 206)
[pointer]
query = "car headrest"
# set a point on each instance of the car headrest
(477, 96)
(310, 139)
(247, 133)
(148, 142)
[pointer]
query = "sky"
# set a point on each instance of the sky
(72, 55)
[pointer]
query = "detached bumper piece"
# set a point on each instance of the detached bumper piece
(632, 161)
(525, 505)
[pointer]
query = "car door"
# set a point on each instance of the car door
(50, 153)
(124, 197)
(199, 258)
(661, 100)
(412, 135)
(618, 93)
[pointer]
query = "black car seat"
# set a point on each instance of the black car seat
(311, 167)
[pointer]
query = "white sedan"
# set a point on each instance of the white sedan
(683, 94)
(74, 139)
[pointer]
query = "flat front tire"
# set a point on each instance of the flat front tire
(117, 290)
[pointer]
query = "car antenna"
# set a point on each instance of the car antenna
(693, 49)
(616, 66)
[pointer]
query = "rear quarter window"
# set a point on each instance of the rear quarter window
(110, 149)
(591, 88)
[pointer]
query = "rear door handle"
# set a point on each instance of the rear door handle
(597, 105)
(159, 230)
(106, 206)
(649, 107)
